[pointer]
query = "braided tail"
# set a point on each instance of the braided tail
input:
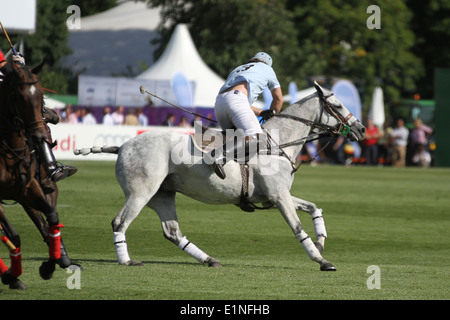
(106, 149)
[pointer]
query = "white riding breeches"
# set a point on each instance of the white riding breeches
(233, 110)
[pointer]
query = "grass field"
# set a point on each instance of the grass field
(396, 219)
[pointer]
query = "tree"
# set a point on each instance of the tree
(431, 25)
(229, 32)
(335, 33)
(306, 39)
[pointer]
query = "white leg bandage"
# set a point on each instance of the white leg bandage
(121, 247)
(319, 223)
(192, 250)
(309, 246)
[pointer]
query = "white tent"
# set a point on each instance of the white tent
(126, 15)
(114, 41)
(53, 104)
(376, 112)
(181, 56)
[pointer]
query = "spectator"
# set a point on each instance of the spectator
(399, 138)
(422, 157)
(419, 137)
(131, 118)
(73, 116)
(184, 123)
(87, 116)
(170, 120)
(118, 116)
(142, 118)
(370, 145)
(384, 144)
(107, 118)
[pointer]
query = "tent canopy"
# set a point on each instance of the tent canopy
(114, 42)
(181, 56)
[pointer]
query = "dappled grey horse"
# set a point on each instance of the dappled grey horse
(153, 166)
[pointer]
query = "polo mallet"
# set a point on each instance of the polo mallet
(6, 241)
(9, 40)
(142, 90)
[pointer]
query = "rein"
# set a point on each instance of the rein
(327, 130)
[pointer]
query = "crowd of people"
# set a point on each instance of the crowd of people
(119, 116)
(123, 116)
(397, 146)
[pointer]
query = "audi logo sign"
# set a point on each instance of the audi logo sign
(70, 137)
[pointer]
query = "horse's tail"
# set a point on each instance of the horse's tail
(106, 149)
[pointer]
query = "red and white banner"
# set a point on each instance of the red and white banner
(70, 137)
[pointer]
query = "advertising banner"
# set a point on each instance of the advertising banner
(70, 137)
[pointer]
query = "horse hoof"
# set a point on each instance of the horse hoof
(134, 263)
(214, 263)
(46, 269)
(17, 285)
(64, 262)
(327, 267)
(13, 282)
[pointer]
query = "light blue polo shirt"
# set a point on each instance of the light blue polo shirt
(258, 76)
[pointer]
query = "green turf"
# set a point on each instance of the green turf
(396, 219)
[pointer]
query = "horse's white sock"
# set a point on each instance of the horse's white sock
(192, 250)
(121, 247)
(319, 223)
(309, 246)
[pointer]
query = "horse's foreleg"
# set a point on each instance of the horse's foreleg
(35, 198)
(317, 218)
(287, 208)
(164, 205)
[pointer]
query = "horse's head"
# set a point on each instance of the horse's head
(24, 98)
(335, 114)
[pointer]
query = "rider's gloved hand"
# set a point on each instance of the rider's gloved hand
(267, 114)
(19, 59)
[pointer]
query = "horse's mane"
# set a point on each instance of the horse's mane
(289, 108)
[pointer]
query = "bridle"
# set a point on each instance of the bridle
(17, 119)
(327, 131)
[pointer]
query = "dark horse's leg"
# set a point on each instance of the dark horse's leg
(42, 226)
(35, 198)
(12, 240)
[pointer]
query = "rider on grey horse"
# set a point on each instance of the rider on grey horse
(55, 170)
(234, 110)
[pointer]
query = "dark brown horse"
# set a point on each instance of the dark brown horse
(22, 178)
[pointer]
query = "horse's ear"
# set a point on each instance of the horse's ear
(318, 89)
(38, 68)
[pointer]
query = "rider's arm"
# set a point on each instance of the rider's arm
(277, 101)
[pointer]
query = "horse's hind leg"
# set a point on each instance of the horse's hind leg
(131, 209)
(287, 208)
(317, 218)
(164, 205)
(12, 240)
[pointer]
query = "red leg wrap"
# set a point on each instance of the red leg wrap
(3, 267)
(55, 241)
(16, 262)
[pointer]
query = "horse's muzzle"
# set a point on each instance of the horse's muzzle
(357, 132)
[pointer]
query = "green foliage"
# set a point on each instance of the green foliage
(233, 31)
(306, 39)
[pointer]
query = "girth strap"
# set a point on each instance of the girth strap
(245, 204)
